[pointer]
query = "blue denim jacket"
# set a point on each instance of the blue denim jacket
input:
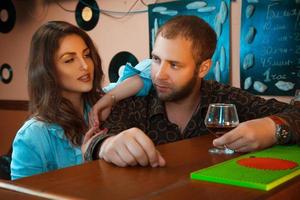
(40, 147)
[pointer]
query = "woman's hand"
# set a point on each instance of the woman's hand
(101, 110)
(89, 136)
(125, 89)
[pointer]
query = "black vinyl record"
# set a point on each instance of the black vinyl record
(7, 24)
(87, 14)
(117, 61)
(9, 70)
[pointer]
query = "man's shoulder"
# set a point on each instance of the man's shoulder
(214, 86)
(139, 99)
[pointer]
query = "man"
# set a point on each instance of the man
(176, 109)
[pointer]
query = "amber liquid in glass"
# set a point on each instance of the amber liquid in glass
(219, 130)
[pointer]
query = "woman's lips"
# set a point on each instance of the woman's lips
(85, 78)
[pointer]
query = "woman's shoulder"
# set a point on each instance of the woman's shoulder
(30, 136)
(35, 130)
(32, 125)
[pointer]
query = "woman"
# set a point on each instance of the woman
(64, 77)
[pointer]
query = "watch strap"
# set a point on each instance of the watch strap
(282, 132)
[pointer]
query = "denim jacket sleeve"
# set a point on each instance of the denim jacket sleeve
(143, 69)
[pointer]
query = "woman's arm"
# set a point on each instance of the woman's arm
(129, 87)
(134, 81)
(102, 108)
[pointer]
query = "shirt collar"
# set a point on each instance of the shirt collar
(157, 107)
(205, 94)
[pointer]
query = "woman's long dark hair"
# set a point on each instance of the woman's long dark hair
(46, 101)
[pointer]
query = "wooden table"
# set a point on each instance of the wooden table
(12, 195)
(100, 180)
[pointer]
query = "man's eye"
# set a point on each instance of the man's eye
(155, 59)
(174, 66)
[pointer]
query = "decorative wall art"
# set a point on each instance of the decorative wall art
(270, 47)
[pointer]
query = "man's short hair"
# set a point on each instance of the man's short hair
(194, 29)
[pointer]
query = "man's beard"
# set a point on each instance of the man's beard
(180, 93)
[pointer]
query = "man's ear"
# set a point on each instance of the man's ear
(204, 68)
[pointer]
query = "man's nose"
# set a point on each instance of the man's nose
(162, 73)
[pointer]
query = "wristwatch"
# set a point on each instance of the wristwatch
(282, 133)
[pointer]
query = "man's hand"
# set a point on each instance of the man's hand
(129, 148)
(249, 136)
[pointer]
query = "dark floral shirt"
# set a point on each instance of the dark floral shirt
(148, 113)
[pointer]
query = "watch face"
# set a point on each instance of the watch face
(283, 135)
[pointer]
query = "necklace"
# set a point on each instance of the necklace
(195, 110)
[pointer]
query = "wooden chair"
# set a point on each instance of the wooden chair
(5, 161)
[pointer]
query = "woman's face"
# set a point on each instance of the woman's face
(74, 66)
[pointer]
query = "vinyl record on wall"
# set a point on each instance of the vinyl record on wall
(6, 73)
(7, 16)
(119, 60)
(87, 14)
